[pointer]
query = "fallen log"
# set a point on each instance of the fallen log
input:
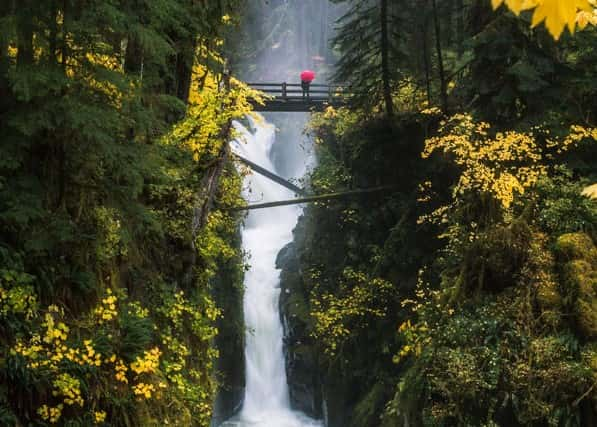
(309, 199)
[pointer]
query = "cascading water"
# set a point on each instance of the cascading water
(265, 232)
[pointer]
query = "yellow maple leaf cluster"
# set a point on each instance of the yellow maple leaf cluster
(557, 14)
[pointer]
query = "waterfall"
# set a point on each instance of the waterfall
(265, 232)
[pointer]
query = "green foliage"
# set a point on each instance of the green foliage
(562, 207)
(346, 312)
(488, 244)
(356, 259)
(494, 342)
(476, 365)
(367, 410)
(365, 61)
(105, 308)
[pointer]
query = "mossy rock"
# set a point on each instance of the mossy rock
(548, 294)
(580, 285)
(587, 298)
(587, 317)
(366, 411)
(578, 276)
(550, 300)
(589, 357)
(298, 307)
(573, 246)
(492, 262)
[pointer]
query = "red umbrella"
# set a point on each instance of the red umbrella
(307, 76)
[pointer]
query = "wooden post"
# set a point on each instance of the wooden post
(284, 91)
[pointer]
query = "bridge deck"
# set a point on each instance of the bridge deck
(289, 97)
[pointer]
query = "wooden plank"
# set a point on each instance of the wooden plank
(293, 91)
(293, 107)
(290, 85)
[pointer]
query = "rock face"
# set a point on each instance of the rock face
(311, 389)
(301, 359)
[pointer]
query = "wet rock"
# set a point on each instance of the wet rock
(286, 259)
(301, 361)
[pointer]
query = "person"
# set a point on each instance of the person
(305, 85)
(307, 77)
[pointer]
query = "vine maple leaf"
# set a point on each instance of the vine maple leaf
(557, 14)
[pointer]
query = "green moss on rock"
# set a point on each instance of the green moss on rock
(579, 279)
(367, 410)
(572, 246)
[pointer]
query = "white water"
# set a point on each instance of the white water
(266, 231)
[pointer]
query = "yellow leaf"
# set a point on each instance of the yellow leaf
(582, 19)
(515, 5)
(590, 191)
(557, 14)
(496, 3)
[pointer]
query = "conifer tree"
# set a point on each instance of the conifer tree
(368, 62)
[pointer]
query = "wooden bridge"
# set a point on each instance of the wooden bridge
(289, 97)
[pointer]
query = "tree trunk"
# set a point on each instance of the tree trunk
(440, 61)
(65, 24)
(588, 413)
(385, 63)
(4, 60)
(184, 70)
(53, 38)
(208, 188)
(25, 34)
(61, 148)
(133, 58)
(460, 27)
(309, 199)
(426, 62)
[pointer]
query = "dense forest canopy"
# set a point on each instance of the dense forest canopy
(464, 295)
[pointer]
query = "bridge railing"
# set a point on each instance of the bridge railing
(294, 91)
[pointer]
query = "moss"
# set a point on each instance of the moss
(589, 356)
(579, 279)
(572, 246)
(366, 411)
(492, 261)
(587, 317)
(539, 272)
(548, 295)
(579, 273)
(585, 278)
